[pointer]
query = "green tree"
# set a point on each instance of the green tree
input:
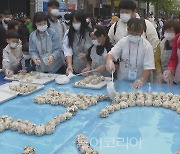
(165, 5)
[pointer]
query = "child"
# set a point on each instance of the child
(12, 54)
(96, 58)
(44, 46)
(135, 54)
(26, 62)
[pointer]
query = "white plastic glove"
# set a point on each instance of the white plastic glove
(84, 71)
(23, 72)
(37, 61)
(168, 77)
(8, 73)
(69, 69)
(49, 60)
(137, 84)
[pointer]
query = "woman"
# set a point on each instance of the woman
(135, 54)
(98, 51)
(76, 43)
(164, 50)
(172, 74)
(44, 46)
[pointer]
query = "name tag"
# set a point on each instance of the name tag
(132, 75)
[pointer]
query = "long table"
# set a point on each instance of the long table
(135, 130)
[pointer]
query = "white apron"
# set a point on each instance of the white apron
(80, 48)
(98, 60)
(165, 56)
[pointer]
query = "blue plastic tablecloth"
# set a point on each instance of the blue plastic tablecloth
(137, 130)
(2, 80)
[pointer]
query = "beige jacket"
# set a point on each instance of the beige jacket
(121, 31)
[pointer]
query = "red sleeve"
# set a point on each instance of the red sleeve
(174, 57)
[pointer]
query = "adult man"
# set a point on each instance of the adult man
(118, 30)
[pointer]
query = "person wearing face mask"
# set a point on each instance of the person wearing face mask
(6, 18)
(67, 21)
(55, 23)
(96, 57)
(91, 23)
(118, 30)
(164, 49)
(135, 54)
(172, 73)
(12, 54)
(44, 46)
(76, 43)
(26, 62)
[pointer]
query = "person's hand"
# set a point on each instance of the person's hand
(8, 73)
(100, 69)
(37, 61)
(159, 78)
(86, 70)
(82, 56)
(23, 72)
(168, 77)
(49, 60)
(110, 66)
(69, 69)
(137, 84)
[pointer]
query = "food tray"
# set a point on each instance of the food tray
(45, 78)
(6, 95)
(95, 87)
(6, 87)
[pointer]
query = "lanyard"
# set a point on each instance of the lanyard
(136, 55)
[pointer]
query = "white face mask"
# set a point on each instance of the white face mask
(169, 36)
(125, 17)
(87, 20)
(134, 39)
(67, 21)
(96, 43)
(42, 28)
(77, 26)
(7, 19)
(13, 45)
(55, 12)
(26, 57)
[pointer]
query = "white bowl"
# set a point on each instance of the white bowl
(62, 79)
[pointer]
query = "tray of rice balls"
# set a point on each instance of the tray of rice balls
(33, 77)
(6, 94)
(22, 88)
(92, 82)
